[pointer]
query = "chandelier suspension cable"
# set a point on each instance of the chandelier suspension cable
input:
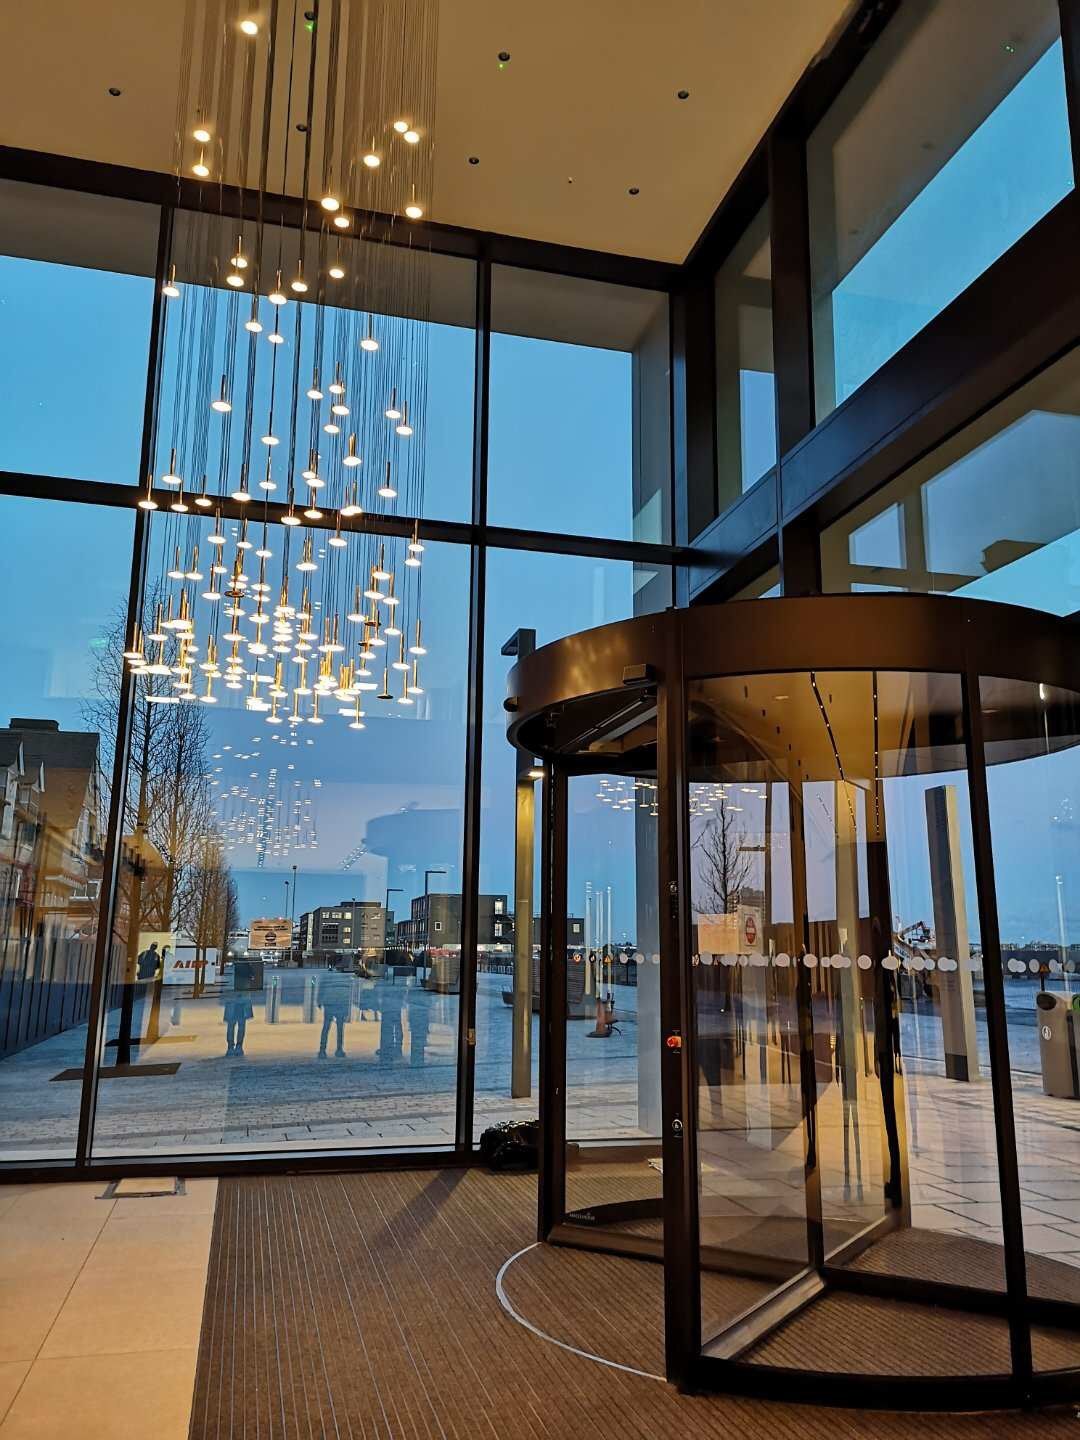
(346, 604)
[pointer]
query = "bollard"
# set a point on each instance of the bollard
(273, 1000)
(309, 1001)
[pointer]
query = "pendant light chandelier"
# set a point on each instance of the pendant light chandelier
(291, 398)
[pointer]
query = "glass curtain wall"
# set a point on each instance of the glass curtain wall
(76, 291)
(745, 390)
(58, 699)
(923, 173)
(285, 969)
(533, 599)
(993, 514)
(580, 409)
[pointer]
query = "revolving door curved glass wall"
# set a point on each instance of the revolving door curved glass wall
(818, 1082)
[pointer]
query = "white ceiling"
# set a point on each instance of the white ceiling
(585, 110)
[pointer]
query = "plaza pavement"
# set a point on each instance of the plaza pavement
(396, 1087)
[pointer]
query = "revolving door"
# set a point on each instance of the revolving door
(814, 1083)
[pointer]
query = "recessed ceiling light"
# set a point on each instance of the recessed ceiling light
(683, 94)
(474, 159)
(504, 58)
(115, 91)
(633, 190)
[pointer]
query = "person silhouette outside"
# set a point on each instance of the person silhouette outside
(237, 1012)
(388, 1004)
(418, 1010)
(335, 994)
(147, 963)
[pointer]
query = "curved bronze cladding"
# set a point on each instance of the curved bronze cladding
(574, 687)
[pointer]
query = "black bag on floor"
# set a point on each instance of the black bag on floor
(513, 1145)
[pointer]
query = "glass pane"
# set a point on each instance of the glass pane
(921, 174)
(532, 599)
(840, 797)
(765, 587)
(958, 522)
(745, 394)
(613, 1004)
(293, 951)
(58, 700)
(77, 293)
(579, 439)
(1033, 776)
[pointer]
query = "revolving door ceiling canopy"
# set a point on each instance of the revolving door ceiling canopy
(820, 1082)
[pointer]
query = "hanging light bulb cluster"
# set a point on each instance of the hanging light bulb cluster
(327, 417)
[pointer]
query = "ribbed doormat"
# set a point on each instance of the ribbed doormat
(363, 1307)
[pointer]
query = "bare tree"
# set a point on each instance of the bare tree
(208, 904)
(723, 865)
(169, 801)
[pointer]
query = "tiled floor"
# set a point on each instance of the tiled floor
(100, 1309)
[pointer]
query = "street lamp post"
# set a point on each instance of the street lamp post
(390, 890)
(427, 915)
(292, 915)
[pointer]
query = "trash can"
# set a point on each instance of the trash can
(1057, 1045)
(247, 974)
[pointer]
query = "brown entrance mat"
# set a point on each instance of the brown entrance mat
(365, 1306)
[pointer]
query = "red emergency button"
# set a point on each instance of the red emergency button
(674, 1042)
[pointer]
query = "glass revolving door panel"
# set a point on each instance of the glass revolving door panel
(612, 1018)
(843, 1090)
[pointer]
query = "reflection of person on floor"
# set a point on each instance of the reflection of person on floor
(388, 1004)
(237, 1012)
(417, 1007)
(147, 963)
(335, 994)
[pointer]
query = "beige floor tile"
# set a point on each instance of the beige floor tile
(8, 1195)
(110, 1312)
(150, 1244)
(45, 1244)
(200, 1199)
(28, 1306)
(12, 1375)
(110, 1397)
(45, 1204)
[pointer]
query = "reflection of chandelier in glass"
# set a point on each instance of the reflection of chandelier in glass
(269, 817)
(294, 363)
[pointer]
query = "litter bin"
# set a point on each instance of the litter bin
(1057, 1045)
(247, 974)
